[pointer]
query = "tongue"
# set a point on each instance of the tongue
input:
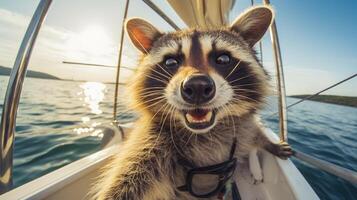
(198, 114)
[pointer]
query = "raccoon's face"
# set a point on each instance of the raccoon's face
(200, 77)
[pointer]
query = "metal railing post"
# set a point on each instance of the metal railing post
(158, 11)
(119, 62)
(12, 97)
(346, 174)
(283, 127)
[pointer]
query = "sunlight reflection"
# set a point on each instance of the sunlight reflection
(80, 131)
(89, 131)
(93, 95)
(96, 124)
(85, 119)
(97, 133)
(92, 44)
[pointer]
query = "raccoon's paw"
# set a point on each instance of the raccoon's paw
(283, 150)
(254, 167)
(257, 179)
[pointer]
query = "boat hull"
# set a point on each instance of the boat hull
(282, 180)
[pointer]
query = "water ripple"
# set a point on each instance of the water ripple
(56, 119)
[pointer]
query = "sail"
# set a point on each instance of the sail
(203, 13)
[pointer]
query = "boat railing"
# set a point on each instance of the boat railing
(116, 92)
(13, 92)
(280, 82)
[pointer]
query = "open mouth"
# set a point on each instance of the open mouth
(199, 119)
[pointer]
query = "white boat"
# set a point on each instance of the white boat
(282, 180)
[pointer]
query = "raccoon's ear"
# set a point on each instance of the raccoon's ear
(253, 23)
(142, 33)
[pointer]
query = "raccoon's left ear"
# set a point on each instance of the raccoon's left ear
(142, 34)
(253, 23)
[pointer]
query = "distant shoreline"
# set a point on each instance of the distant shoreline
(60, 79)
(334, 99)
(5, 71)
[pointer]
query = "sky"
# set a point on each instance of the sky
(318, 39)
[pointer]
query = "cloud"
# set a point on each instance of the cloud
(56, 44)
(303, 80)
(306, 80)
(14, 19)
(300, 80)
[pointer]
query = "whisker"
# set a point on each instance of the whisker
(159, 73)
(238, 95)
(171, 134)
(211, 138)
(152, 88)
(246, 90)
(230, 114)
(151, 100)
(162, 125)
(248, 84)
(143, 104)
(241, 78)
(189, 138)
(238, 101)
(233, 69)
(156, 78)
(151, 94)
(148, 52)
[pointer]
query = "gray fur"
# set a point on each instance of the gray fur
(149, 158)
(147, 166)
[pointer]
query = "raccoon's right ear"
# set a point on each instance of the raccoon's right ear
(142, 34)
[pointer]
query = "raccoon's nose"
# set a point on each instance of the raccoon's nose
(198, 89)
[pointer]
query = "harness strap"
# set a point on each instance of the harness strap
(224, 169)
(235, 191)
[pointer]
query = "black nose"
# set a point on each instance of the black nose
(198, 89)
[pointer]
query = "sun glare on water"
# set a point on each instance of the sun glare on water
(93, 94)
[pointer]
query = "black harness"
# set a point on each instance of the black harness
(221, 173)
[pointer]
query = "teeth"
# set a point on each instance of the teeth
(189, 118)
(207, 118)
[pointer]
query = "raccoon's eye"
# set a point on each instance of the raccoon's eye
(171, 62)
(223, 59)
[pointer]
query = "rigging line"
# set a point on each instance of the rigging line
(162, 14)
(96, 65)
(119, 62)
(261, 52)
(313, 95)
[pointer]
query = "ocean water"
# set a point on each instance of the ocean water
(57, 119)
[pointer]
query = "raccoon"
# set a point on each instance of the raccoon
(196, 90)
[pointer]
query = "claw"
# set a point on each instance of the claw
(283, 150)
(256, 181)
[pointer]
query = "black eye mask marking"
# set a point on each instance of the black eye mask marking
(171, 62)
(243, 80)
(223, 62)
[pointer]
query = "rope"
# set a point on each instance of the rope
(313, 95)
(97, 65)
